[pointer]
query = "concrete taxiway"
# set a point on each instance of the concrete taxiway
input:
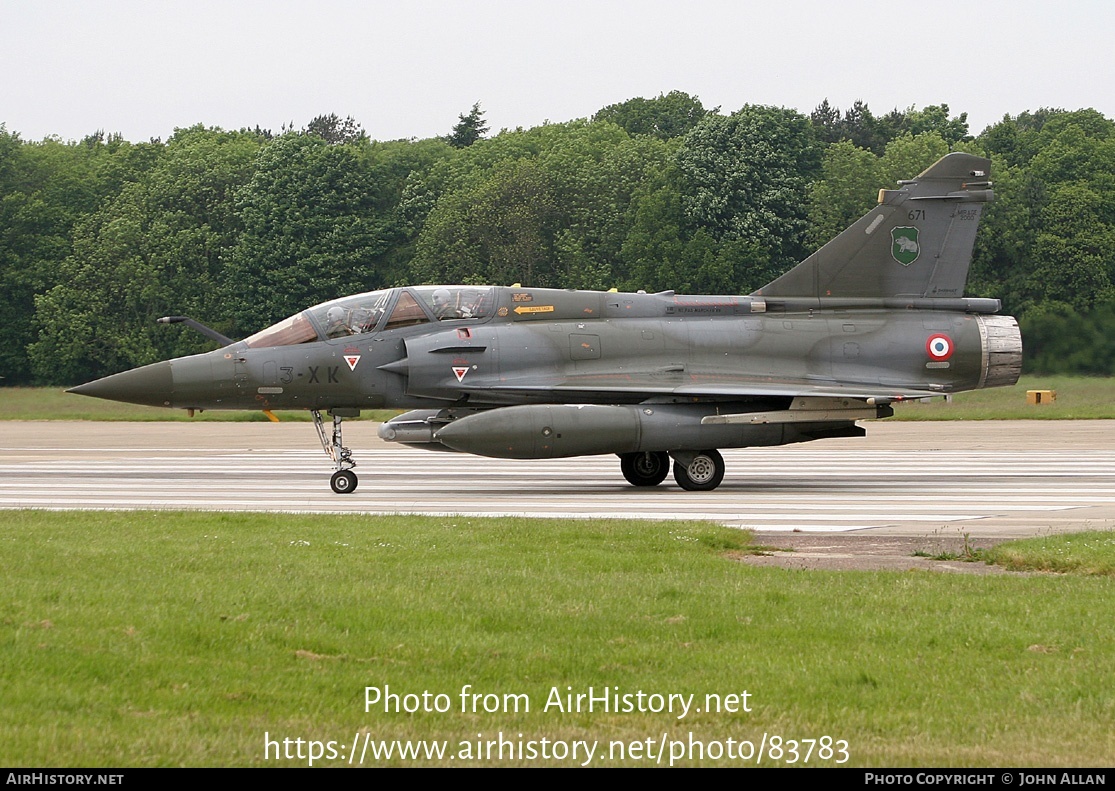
(983, 479)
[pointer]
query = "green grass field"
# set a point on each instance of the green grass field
(136, 639)
(157, 639)
(1075, 553)
(1078, 397)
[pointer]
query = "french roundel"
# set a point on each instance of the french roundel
(939, 347)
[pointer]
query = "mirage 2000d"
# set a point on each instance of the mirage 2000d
(875, 316)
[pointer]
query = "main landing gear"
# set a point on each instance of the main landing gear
(645, 468)
(694, 471)
(344, 479)
(702, 472)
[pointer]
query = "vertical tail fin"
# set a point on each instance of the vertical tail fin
(916, 243)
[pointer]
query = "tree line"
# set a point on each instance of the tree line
(238, 229)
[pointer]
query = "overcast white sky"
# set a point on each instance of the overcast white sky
(408, 68)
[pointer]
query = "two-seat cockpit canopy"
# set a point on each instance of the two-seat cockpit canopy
(378, 311)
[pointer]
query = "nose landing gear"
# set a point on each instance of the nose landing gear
(344, 480)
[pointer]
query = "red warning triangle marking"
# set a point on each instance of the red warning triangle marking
(352, 360)
(460, 371)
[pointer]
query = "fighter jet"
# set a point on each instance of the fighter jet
(875, 316)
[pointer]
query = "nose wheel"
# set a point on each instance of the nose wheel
(344, 480)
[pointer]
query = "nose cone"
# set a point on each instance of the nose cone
(151, 385)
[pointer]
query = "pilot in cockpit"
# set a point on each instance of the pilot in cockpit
(336, 323)
(443, 304)
(456, 303)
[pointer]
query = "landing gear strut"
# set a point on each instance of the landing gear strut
(344, 479)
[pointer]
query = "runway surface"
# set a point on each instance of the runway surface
(991, 479)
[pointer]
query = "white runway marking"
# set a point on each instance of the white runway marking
(777, 489)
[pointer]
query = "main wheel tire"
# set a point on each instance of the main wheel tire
(645, 468)
(703, 474)
(343, 482)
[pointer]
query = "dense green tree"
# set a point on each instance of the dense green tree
(446, 179)
(45, 188)
(873, 133)
(908, 155)
(312, 230)
(469, 128)
(1006, 236)
(864, 130)
(499, 231)
(653, 252)
(1074, 252)
(848, 187)
(99, 236)
(1048, 236)
(857, 125)
(564, 207)
(1018, 139)
(335, 131)
(1058, 339)
(935, 118)
(394, 168)
(470, 166)
(668, 116)
(320, 221)
(1076, 153)
(154, 249)
(663, 252)
(743, 178)
(596, 171)
(826, 122)
(29, 236)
